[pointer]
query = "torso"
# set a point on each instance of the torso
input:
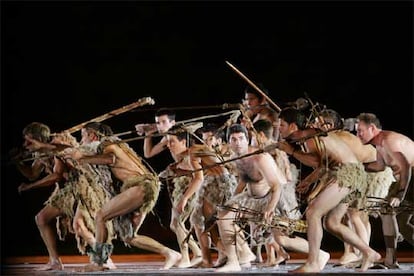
(256, 185)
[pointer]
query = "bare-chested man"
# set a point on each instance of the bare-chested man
(85, 188)
(344, 175)
(358, 220)
(263, 180)
(212, 185)
(396, 151)
(258, 108)
(288, 205)
(164, 120)
(138, 194)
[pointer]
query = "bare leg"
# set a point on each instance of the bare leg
(349, 255)
(390, 230)
(334, 225)
(227, 234)
(329, 201)
(82, 231)
(281, 254)
(406, 226)
(177, 226)
(125, 203)
(299, 244)
(221, 260)
(43, 221)
(171, 256)
(204, 240)
(317, 208)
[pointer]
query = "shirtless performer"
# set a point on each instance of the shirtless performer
(396, 151)
(257, 108)
(164, 120)
(345, 180)
(213, 186)
(356, 219)
(138, 194)
(64, 200)
(263, 180)
(288, 205)
(182, 190)
(39, 132)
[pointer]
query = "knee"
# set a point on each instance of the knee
(77, 226)
(313, 213)
(40, 219)
(173, 225)
(331, 223)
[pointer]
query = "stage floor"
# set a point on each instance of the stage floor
(149, 264)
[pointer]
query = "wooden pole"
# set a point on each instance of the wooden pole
(278, 109)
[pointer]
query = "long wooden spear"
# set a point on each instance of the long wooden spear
(278, 109)
(140, 102)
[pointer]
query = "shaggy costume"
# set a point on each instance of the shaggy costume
(216, 190)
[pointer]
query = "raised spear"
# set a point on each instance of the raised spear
(278, 109)
(140, 102)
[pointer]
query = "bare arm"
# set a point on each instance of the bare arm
(31, 172)
(376, 166)
(241, 185)
(44, 147)
(194, 185)
(273, 176)
(48, 180)
(106, 158)
(311, 159)
(151, 150)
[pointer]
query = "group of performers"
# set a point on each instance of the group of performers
(234, 185)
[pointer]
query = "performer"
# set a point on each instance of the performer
(83, 190)
(345, 178)
(288, 205)
(357, 219)
(137, 197)
(257, 108)
(164, 120)
(262, 178)
(211, 186)
(182, 190)
(396, 151)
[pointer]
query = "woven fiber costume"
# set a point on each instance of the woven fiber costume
(216, 189)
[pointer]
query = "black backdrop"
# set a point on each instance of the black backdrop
(67, 62)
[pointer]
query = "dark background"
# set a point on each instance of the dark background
(67, 62)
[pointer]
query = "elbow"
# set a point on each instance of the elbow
(148, 155)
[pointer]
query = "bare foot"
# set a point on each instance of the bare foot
(307, 268)
(196, 260)
(109, 264)
(348, 258)
(51, 266)
(369, 260)
(220, 262)
(229, 267)
(246, 257)
(323, 259)
(282, 257)
(94, 267)
(183, 263)
(171, 258)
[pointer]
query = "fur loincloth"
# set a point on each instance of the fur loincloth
(151, 186)
(351, 176)
(379, 183)
(216, 190)
(180, 186)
